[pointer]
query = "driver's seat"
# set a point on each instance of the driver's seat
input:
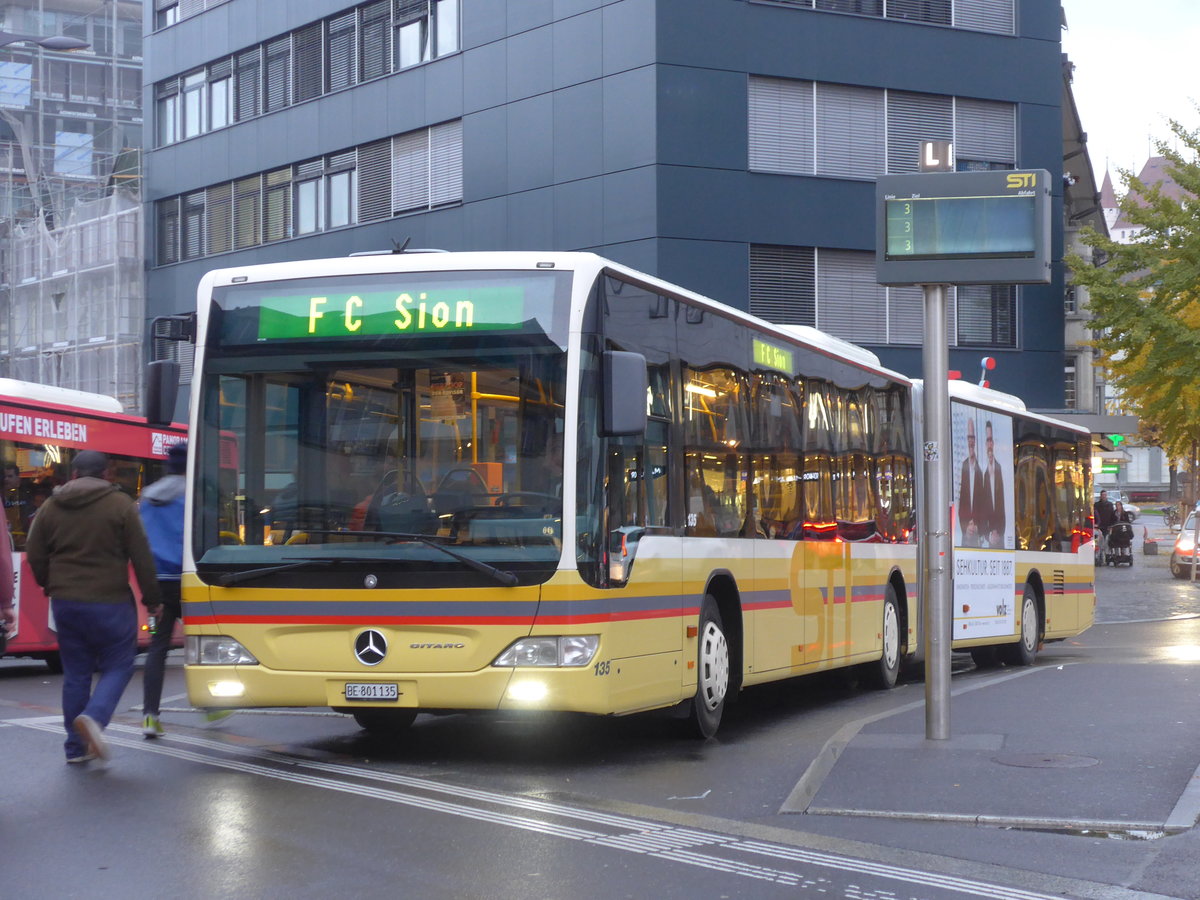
(460, 488)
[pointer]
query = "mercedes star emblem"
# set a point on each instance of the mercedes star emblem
(370, 647)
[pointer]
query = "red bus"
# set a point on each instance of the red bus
(41, 429)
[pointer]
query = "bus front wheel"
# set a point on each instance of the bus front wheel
(712, 671)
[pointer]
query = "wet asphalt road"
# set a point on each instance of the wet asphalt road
(277, 805)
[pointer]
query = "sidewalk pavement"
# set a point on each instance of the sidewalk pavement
(1029, 748)
(1082, 746)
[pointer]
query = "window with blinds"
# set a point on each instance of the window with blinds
(308, 56)
(912, 118)
(981, 15)
(247, 84)
(987, 315)
(277, 205)
(862, 7)
(998, 16)
(445, 164)
(375, 38)
(781, 125)
(375, 181)
(835, 290)
(191, 243)
(168, 231)
(367, 41)
(936, 12)
(412, 172)
(218, 210)
(427, 168)
(783, 284)
(804, 128)
(247, 212)
(277, 74)
(985, 131)
(341, 38)
(850, 135)
(850, 303)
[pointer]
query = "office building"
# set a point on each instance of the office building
(727, 145)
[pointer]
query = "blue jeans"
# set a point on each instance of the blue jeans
(156, 656)
(93, 637)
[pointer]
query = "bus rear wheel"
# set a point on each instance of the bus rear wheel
(883, 673)
(1024, 651)
(384, 722)
(712, 672)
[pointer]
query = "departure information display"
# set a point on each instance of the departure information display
(961, 227)
(988, 227)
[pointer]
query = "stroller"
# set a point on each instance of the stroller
(1119, 549)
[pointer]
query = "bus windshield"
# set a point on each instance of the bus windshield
(401, 446)
(354, 458)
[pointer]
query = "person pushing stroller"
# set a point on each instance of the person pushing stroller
(1120, 537)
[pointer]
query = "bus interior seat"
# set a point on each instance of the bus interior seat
(460, 488)
(406, 512)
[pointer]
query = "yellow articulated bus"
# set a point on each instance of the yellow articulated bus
(544, 481)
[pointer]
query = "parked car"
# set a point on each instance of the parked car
(1115, 494)
(1184, 549)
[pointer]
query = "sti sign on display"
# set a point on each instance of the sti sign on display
(963, 228)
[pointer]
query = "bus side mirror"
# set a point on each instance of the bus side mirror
(624, 400)
(162, 389)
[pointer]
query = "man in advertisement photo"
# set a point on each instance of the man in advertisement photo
(972, 514)
(993, 528)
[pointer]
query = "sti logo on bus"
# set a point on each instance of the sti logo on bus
(1015, 181)
(382, 314)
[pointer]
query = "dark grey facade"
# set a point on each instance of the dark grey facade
(633, 128)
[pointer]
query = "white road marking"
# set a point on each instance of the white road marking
(663, 841)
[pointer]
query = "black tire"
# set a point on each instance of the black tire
(882, 673)
(712, 672)
(1024, 651)
(1178, 569)
(985, 657)
(384, 722)
(54, 662)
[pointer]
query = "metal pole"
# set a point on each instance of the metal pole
(935, 516)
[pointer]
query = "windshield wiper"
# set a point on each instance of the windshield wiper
(231, 578)
(508, 579)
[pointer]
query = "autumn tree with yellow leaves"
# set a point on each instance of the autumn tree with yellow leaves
(1144, 299)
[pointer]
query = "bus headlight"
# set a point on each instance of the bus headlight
(563, 650)
(226, 689)
(216, 650)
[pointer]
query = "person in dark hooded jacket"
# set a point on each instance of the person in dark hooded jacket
(161, 507)
(80, 546)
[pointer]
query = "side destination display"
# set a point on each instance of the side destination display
(963, 228)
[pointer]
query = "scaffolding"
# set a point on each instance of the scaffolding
(76, 309)
(72, 300)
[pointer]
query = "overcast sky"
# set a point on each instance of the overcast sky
(1135, 67)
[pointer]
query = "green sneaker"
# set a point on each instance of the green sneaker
(215, 717)
(151, 727)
